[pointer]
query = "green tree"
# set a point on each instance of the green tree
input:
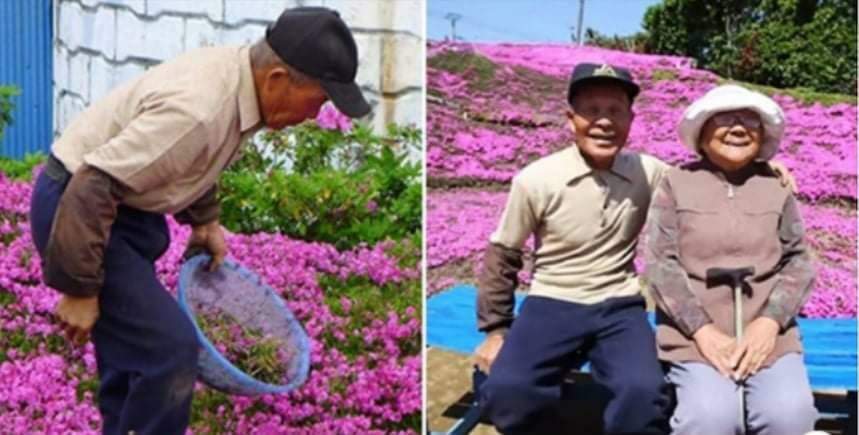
(781, 43)
(635, 43)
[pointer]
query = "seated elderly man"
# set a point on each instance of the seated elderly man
(585, 205)
(728, 211)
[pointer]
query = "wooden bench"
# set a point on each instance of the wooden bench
(830, 357)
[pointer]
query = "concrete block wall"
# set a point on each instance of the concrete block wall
(102, 43)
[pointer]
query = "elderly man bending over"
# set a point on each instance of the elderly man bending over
(157, 145)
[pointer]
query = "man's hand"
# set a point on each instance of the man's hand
(485, 354)
(716, 347)
(755, 346)
(208, 238)
(78, 315)
(784, 175)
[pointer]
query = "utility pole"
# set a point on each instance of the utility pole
(453, 17)
(581, 17)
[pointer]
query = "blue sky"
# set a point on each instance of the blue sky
(532, 20)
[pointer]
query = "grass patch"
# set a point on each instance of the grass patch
(205, 406)
(369, 301)
(87, 385)
(660, 75)
(435, 93)
(407, 251)
(480, 69)
(7, 298)
(26, 344)
(409, 422)
(804, 95)
(539, 86)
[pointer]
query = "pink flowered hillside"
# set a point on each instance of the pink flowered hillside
(495, 107)
(48, 386)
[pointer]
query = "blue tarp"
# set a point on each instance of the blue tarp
(830, 344)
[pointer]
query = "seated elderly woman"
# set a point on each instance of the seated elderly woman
(728, 210)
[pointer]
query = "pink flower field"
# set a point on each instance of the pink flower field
(365, 358)
(493, 108)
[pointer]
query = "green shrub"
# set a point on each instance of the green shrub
(21, 169)
(6, 106)
(779, 43)
(326, 185)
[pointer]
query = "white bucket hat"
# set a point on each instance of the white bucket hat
(732, 97)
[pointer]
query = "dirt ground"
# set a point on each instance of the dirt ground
(448, 388)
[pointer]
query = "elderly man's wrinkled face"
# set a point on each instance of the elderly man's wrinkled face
(732, 140)
(600, 118)
(286, 99)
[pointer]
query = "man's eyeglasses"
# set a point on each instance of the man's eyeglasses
(729, 119)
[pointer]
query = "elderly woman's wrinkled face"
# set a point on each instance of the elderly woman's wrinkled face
(732, 140)
(600, 118)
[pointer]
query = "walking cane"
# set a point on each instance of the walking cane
(736, 277)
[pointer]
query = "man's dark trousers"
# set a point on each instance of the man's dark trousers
(539, 350)
(146, 349)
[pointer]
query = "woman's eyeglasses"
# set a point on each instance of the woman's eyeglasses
(728, 119)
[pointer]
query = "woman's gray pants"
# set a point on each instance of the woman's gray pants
(778, 400)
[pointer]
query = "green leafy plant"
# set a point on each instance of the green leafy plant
(21, 169)
(780, 43)
(7, 106)
(344, 188)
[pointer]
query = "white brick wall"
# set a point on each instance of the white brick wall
(105, 23)
(68, 107)
(404, 55)
(211, 8)
(138, 6)
(103, 43)
(79, 75)
(61, 68)
(104, 76)
(265, 10)
(413, 104)
(246, 34)
(159, 39)
(101, 78)
(369, 61)
(199, 32)
(71, 24)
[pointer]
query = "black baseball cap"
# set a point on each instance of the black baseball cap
(316, 41)
(587, 73)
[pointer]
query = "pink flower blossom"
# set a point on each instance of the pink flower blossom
(330, 118)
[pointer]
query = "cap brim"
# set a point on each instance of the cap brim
(347, 97)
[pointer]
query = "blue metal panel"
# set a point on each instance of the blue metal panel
(26, 61)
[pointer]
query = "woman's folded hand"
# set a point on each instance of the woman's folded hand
(754, 348)
(716, 346)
